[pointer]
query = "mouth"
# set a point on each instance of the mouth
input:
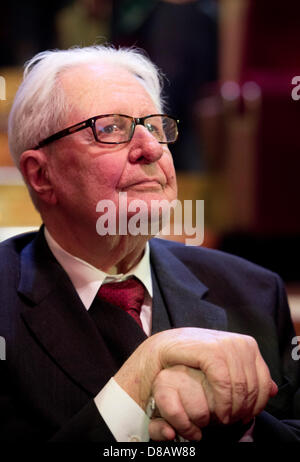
(145, 184)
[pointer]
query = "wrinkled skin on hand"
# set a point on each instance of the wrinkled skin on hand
(197, 376)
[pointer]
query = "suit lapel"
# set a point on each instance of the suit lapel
(160, 315)
(57, 318)
(183, 293)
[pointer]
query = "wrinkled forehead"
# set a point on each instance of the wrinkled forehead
(93, 89)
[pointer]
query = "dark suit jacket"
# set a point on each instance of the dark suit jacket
(59, 356)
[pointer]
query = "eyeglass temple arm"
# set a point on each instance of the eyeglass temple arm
(62, 133)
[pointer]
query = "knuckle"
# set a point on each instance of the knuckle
(252, 395)
(185, 427)
(223, 385)
(171, 412)
(202, 418)
(267, 386)
(241, 389)
(265, 377)
(251, 342)
(161, 398)
(161, 377)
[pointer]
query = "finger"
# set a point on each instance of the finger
(219, 380)
(266, 386)
(246, 350)
(160, 430)
(189, 383)
(197, 403)
(274, 389)
(235, 355)
(171, 409)
(260, 384)
(252, 390)
(232, 374)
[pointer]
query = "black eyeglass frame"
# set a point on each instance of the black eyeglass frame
(91, 123)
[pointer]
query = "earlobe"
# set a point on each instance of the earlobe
(34, 168)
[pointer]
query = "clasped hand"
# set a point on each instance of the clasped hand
(197, 377)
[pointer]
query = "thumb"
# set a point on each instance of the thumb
(160, 430)
(274, 389)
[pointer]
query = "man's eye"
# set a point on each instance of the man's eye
(156, 130)
(152, 128)
(110, 129)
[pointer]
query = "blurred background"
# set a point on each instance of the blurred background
(228, 67)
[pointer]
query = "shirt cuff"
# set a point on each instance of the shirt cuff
(124, 417)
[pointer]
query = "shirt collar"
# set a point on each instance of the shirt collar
(87, 279)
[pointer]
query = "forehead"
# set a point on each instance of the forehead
(104, 89)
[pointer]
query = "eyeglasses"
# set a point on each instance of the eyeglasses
(119, 128)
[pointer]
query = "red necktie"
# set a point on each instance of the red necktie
(128, 295)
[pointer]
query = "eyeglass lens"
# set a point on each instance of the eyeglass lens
(118, 128)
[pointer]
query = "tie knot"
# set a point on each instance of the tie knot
(128, 295)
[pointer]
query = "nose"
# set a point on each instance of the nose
(144, 147)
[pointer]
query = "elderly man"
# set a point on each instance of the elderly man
(100, 328)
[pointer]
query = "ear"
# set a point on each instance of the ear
(34, 168)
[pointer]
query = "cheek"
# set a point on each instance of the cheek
(107, 171)
(167, 166)
(102, 170)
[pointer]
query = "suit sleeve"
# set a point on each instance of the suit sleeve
(86, 426)
(290, 365)
(20, 422)
(269, 430)
(280, 421)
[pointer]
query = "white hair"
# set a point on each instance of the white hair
(40, 107)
